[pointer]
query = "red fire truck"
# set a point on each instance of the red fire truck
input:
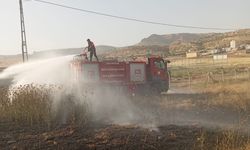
(137, 77)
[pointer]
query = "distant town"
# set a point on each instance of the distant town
(221, 53)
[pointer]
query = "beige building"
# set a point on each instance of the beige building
(191, 55)
(233, 44)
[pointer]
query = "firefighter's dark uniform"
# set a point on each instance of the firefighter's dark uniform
(92, 50)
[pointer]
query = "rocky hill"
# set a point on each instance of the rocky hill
(188, 41)
(131, 51)
(165, 40)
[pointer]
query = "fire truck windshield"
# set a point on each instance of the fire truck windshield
(160, 64)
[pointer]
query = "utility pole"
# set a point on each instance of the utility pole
(23, 34)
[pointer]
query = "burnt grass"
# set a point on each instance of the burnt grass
(99, 136)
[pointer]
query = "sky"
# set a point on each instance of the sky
(51, 27)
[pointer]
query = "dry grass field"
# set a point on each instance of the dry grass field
(203, 71)
(205, 61)
(6, 61)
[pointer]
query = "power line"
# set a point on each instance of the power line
(131, 19)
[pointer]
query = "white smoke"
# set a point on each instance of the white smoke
(49, 71)
(106, 104)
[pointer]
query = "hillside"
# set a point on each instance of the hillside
(187, 41)
(131, 51)
(165, 40)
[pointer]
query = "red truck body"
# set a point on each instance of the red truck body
(136, 76)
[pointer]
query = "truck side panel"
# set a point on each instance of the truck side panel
(113, 72)
(137, 72)
(90, 72)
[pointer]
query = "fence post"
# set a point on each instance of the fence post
(208, 79)
(189, 79)
(235, 74)
(222, 75)
(248, 73)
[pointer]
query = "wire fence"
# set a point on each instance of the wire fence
(210, 61)
(204, 72)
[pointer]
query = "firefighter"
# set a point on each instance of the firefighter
(92, 49)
